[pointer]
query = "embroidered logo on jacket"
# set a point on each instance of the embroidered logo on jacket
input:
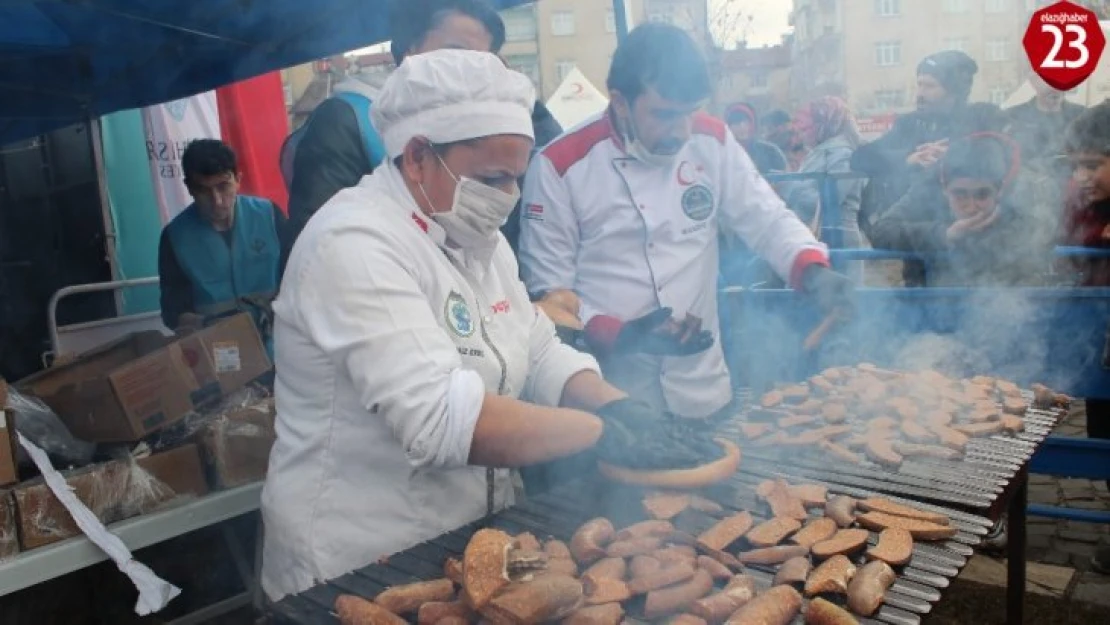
(697, 202)
(457, 315)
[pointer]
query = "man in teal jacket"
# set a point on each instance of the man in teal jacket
(225, 252)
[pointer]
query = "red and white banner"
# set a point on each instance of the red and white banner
(169, 128)
(871, 128)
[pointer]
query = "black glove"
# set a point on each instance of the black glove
(647, 335)
(834, 292)
(639, 437)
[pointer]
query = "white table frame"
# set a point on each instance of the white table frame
(73, 554)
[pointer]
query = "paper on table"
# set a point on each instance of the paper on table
(154, 592)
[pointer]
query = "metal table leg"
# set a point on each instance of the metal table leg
(1015, 551)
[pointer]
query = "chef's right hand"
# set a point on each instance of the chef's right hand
(637, 436)
(658, 333)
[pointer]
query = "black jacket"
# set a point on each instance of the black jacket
(332, 156)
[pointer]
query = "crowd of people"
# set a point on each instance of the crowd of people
(464, 289)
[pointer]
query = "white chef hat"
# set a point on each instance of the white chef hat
(452, 95)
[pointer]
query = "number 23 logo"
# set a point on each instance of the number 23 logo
(1079, 43)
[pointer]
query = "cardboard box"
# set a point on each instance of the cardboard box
(9, 470)
(130, 388)
(113, 491)
(9, 534)
(237, 446)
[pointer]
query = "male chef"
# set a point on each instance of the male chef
(626, 210)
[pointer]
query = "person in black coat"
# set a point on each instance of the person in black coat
(742, 121)
(332, 156)
(907, 153)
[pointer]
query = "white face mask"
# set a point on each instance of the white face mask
(637, 150)
(477, 212)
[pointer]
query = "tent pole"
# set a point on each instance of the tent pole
(621, 19)
(110, 237)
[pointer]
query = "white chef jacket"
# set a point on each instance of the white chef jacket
(376, 323)
(630, 238)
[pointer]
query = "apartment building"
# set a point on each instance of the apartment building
(759, 76)
(548, 39)
(867, 50)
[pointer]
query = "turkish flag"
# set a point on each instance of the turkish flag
(254, 122)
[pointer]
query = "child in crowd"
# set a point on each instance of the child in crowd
(1087, 224)
(964, 222)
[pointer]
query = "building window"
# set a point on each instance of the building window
(757, 79)
(998, 95)
(610, 21)
(520, 25)
(562, 23)
(886, 99)
(997, 6)
(563, 69)
(956, 6)
(954, 43)
(888, 53)
(527, 64)
(998, 50)
(888, 8)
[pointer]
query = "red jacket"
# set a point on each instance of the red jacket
(1083, 226)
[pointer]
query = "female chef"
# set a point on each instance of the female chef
(409, 358)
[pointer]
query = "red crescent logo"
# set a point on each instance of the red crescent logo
(681, 175)
(577, 88)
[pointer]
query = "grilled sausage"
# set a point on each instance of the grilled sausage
(676, 554)
(881, 450)
(783, 503)
(816, 435)
(602, 590)
(707, 506)
(812, 495)
(633, 547)
(665, 576)
(1014, 405)
(752, 431)
(607, 614)
(1013, 424)
(841, 509)
(794, 421)
(717, 607)
(809, 406)
(772, 555)
(831, 577)
(938, 418)
(793, 571)
(841, 452)
(453, 620)
(452, 570)
(409, 597)
(920, 530)
(834, 414)
(644, 565)
(686, 619)
(845, 542)
(485, 565)
(562, 566)
(723, 557)
(646, 529)
(433, 612)
(665, 506)
(976, 430)
(777, 606)
(354, 610)
(795, 394)
(771, 532)
(881, 424)
(557, 549)
(916, 432)
(527, 542)
(546, 598)
(879, 504)
(895, 547)
(984, 414)
(949, 437)
(912, 450)
(714, 568)
(814, 532)
(614, 568)
(588, 543)
(822, 612)
(771, 399)
(869, 586)
(1007, 387)
(726, 531)
(664, 601)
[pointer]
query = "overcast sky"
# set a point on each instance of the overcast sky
(769, 19)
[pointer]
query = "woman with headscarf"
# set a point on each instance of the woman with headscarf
(828, 130)
(412, 370)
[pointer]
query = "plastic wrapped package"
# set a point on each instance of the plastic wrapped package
(38, 423)
(237, 444)
(194, 423)
(9, 535)
(112, 491)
